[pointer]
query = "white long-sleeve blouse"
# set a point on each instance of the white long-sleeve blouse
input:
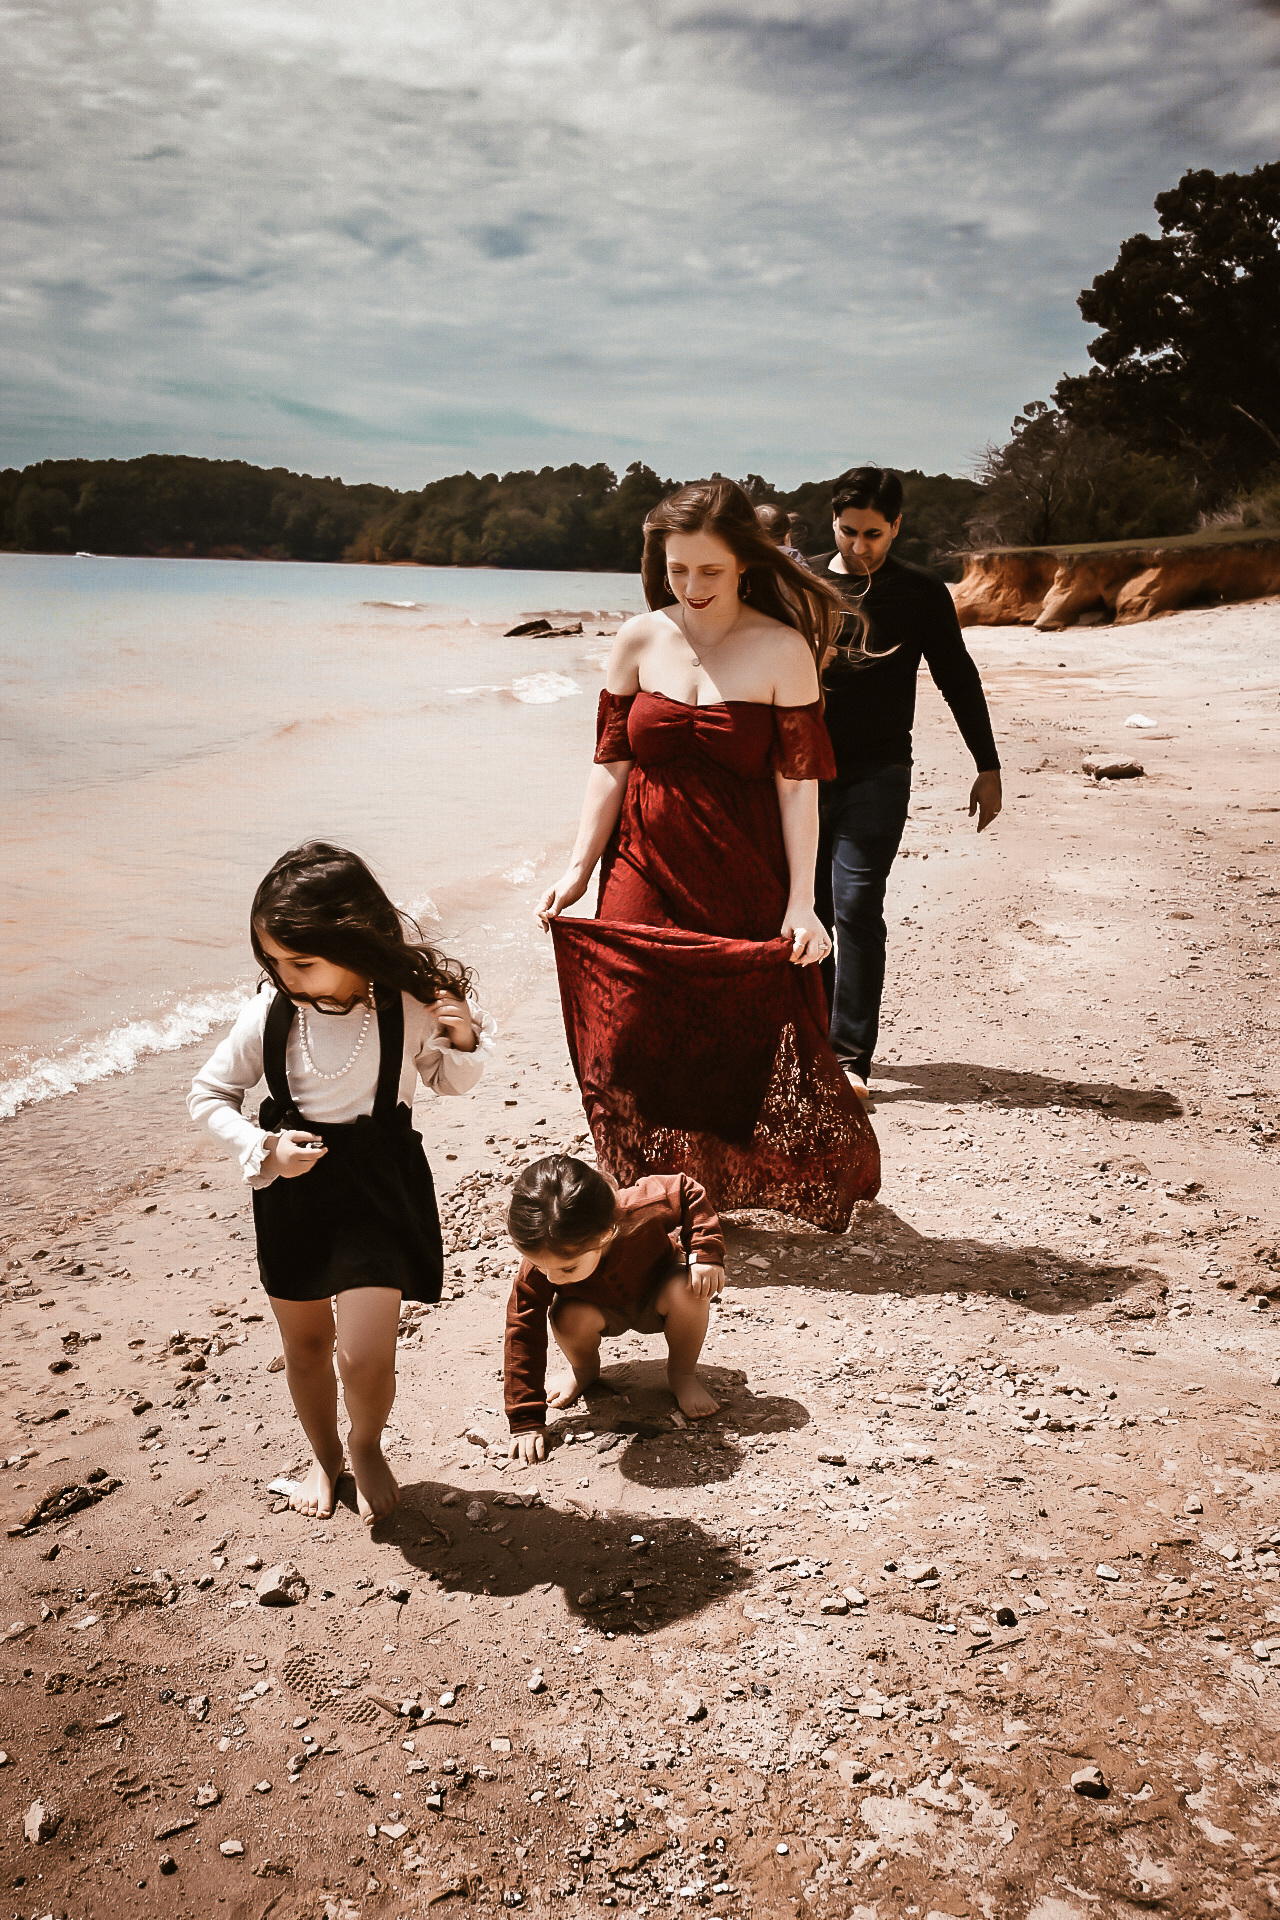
(219, 1089)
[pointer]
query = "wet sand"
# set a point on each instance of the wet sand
(991, 1498)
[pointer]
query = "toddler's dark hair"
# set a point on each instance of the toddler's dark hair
(560, 1204)
(321, 899)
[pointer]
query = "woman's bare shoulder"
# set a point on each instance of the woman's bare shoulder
(790, 664)
(633, 638)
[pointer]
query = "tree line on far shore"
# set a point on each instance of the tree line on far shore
(1176, 424)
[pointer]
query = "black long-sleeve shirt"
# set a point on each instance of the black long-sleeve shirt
(871, 705)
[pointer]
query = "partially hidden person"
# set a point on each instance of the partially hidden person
(897, 615)
(695, 1016)
(599, 1262)
(354, 1008)
(780, 526)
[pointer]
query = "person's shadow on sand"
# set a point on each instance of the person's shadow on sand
(883, 1254)
(956, 1082)
(628, 1574)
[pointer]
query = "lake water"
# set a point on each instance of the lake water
(171, 726)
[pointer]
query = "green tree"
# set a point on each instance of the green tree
(1188, 359)
(1055, 483)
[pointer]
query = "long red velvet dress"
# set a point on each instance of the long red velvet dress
(698, 1046)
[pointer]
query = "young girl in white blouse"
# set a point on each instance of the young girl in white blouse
(350, 1015)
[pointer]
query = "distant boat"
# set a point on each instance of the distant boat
(88, 556)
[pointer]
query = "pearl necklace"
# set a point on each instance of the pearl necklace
(310, 1064)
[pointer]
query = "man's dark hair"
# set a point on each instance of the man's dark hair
(868, 487)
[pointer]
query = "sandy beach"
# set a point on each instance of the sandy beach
(991, 1499)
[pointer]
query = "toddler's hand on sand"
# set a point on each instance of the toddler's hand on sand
(554, 901)
(706, 1282)
(293, 1153)
(454, 1016)
(529, 1446)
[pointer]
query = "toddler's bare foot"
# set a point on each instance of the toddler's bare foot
(376, 1489)
(692, 1396)
(569, 1387)
(316, 1495)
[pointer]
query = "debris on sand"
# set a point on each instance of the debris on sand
(41, 1823)
(282, 1586)
(59, 1502)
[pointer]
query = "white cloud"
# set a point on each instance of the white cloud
(393, 241)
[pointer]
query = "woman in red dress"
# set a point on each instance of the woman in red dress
(695, 1014)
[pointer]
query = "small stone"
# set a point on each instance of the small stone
(198, 1706)
(917, 1570)
(450, 1499)
(231, 1848)
(830, 1458)
(111, 1719)
(500, 1745)
(1006, 1617)
(782, 1847)
(41, 1823)
(167, 1828)
(853, 1772)
(835, 1603)
(281, 1586)
(1089, 1782)
(262, 1786)
(1106, 1573)
(536, 1682)
(397, 1831)
(475, 1437)
(167, 1863)
(207, 1796)
(435, 1803)
(395, 1591)
(1193, 1504)
(692, 1707)
(251, 1562)
(448, 1697)
(855, 1597)
(276, 1365)
(139, 1407)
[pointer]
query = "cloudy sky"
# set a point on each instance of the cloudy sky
(391, 239)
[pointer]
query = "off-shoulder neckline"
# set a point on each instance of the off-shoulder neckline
(704, 706)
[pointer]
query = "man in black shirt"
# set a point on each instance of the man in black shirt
(898, 615)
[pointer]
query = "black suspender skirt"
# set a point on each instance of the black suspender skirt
(365, 1214)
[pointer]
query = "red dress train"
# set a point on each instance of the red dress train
(698, 1047)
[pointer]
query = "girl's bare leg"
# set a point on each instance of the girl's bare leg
(367, 1321)
(685, 1316)
(577, 1327)
(306, 1333)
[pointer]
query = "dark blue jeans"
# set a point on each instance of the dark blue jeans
(860, 827)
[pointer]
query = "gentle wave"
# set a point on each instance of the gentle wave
(119, 1051)
(541, 689)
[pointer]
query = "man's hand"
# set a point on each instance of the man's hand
(293, 1153)
(985, 799)
(706, 1282)
(528, 1446)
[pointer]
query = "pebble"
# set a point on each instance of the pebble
(829, 1458)
(448, 1697)
(281, 1586)
(167, 1863)
(918, 1570)
(183, 1824)
(262, 1786)
(41, 1823)
(835, 1603)
(476, 1512)
(395, 1591)
(1106, 1573)
(692, 1707)
(1089, 1782)
(251, 1562)
(231, 1847)
(536, 1682)
(1193, 1504)
(208, 1796)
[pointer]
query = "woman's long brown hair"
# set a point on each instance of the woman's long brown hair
(773, 584)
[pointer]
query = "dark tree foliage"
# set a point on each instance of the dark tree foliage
(1189, 353)
(558, 517)
(172, 504)
(1056, 484)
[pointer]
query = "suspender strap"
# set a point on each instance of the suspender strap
(391, 1057)
(274, 1041)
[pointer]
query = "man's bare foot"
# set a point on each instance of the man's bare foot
(692, 1396)
(316, 1495)
(568, 1388)
(376, 1489)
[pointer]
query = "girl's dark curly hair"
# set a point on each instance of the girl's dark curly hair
(559, 1205)
(320, 899)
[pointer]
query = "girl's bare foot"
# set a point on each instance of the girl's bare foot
(692, 1396)
(568, 1388)
(376, 1489)
(316, 1495)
